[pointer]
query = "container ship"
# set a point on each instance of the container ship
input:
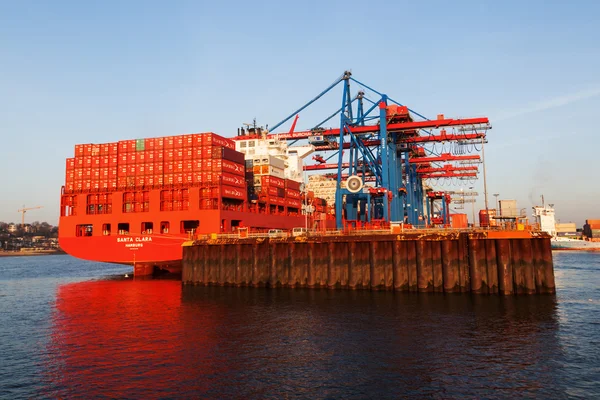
(136, 202)
(563, 239)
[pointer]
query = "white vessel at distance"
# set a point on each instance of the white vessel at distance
(544, 216)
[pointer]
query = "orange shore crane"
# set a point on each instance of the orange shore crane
(23, 211)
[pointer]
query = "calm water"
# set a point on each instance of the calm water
(74, 329)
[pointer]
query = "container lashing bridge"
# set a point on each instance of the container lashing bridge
(386, 147)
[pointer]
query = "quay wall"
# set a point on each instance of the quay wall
(455, 262)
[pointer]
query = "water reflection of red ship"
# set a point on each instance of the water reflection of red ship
(118, 338)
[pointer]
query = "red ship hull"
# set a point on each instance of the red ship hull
(148, 251)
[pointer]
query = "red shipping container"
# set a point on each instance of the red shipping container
(210, 178)
(140, 181)
(232, 155)
(159, 144)
(294, 203)
(148, 157)
(79, 150)
(96, 161)
(207, 165)
(149, 144)
(140, 169)
(131, 170)
(69, 187)
(104, 149)
(122, 159)
(228, 166)
(131, 158)
(113, 160)
(78, 174)
(70, 164)
(197, 153)
(196, 177)
(122, 170)
(188, 166)
(112, 173)
(197, 140)
(113, 149)
(104, 173)
(178, 166)
(87, 173)
(159, 168)
(293, 194)
(169, 155)
(188, 140)
(95, 150)
(131, 146)
(233, 180)
(169, 144)
(87, 149)
(197, 165)
(122, 147)
(178, 142)
(122, 181)
(169, 167)
(188, 178)
(159, 155)
(188, 153)
(232, 192)
(178, 155)
(104, 161)
(291, 184)
(104, 184)
(149, 180)
(78, 185)
(79, 162)
(87, 161)
(212, 139)
(87, 184)
(149, 169)
(159, 180)
(178, 177)
(268, 180)
(140, 157)
(70, 176)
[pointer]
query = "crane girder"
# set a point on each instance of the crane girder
(474, 123)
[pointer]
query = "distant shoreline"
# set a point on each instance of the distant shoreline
(30, 253)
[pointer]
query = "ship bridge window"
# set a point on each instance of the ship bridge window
(251, 143)
(84, 230)
(147, 228)
(123, 228)
(106, 229)
(164, 227)
(243, 144)
(189, 226)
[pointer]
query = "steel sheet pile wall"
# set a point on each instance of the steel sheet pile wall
(443, 263)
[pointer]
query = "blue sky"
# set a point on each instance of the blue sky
(77, 72)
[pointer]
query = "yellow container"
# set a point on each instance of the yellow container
(520, 227)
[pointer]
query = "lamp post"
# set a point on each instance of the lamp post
(473, 204)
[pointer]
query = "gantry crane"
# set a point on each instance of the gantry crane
(23, 211)
(385, 146)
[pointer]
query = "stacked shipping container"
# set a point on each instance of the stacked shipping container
(266, 183)
(203, 159)
(591, 229)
